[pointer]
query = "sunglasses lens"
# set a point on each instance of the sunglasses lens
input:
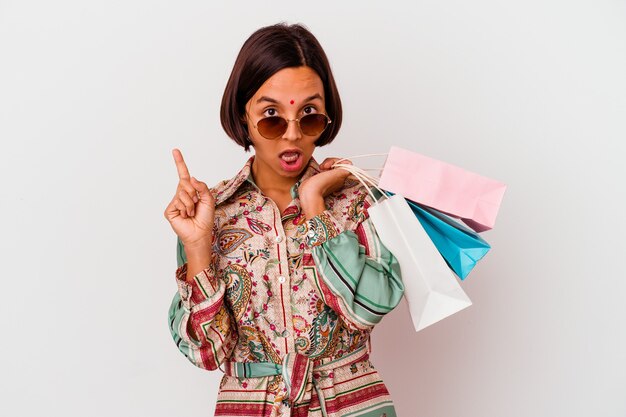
(275, 126)
(313, 124)
(272, 127)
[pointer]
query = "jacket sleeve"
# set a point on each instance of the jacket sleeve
(201, 306)
(357, 275)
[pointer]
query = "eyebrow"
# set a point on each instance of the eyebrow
(272, 100)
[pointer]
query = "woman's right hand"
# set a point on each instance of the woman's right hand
(192, 210)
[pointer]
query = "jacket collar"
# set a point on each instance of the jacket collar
(227, 188)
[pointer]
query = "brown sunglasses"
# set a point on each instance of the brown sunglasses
(273, 127)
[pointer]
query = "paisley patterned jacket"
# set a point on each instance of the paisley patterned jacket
(287, 306)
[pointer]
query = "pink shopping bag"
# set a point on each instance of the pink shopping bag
(462, 194)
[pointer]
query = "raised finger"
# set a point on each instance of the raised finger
(181, 167)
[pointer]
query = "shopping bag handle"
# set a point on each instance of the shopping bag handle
(363, 177)
(362, 155)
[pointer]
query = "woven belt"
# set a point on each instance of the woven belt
(297, 371)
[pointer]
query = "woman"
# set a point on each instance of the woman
(281, 276)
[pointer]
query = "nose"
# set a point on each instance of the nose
(293, 131)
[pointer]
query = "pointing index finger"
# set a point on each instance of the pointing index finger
(181, 167)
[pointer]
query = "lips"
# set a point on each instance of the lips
(290, 152)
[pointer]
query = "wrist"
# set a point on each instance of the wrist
(198, 246)
(312, 204)
(199, 255)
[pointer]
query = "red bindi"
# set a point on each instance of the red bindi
(291, 102)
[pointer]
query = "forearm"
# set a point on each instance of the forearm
(200, 298)
(198, 259)
(359, 277)
(361, 288)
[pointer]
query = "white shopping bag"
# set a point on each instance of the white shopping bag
(431, 289)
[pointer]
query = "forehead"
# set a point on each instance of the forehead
(290, 84)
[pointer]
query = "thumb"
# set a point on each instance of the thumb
(328, 163)
(200, 187)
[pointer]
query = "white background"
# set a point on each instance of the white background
(95, 94)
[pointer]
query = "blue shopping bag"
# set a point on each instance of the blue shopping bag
(459, 245)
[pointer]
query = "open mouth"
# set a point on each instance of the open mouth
(291, 160)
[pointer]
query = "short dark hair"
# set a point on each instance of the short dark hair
(267, 51)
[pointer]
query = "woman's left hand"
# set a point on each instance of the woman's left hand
(327, 181)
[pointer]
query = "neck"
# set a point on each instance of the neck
(268, 182)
